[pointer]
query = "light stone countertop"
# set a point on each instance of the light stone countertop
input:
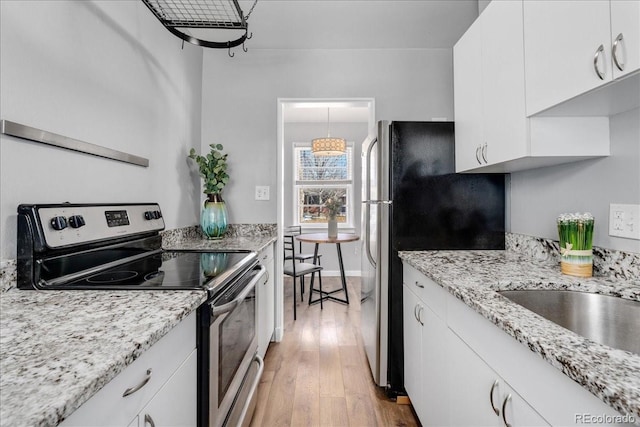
(474, 277)
(58, 348)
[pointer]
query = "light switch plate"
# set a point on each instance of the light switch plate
(262, 192)
(624, 221)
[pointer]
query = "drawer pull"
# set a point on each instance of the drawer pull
(493, 387)
(599, 51)
(619, 64)
(149, 420)
(418, 284)
(144, 382)
(504, 410)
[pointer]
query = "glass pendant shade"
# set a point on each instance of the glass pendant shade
(328, 146)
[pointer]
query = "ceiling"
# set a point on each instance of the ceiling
(358, 24)
(354, 24)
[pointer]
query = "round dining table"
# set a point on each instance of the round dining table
(320, 238)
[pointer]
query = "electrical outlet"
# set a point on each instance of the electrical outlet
(262, 192)
(624, 221)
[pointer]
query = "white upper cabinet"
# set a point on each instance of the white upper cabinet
(567, 43)
(569, 47)
(505, 128)
(489, 88)
(491, 91)
(625, 33)
(469, 121)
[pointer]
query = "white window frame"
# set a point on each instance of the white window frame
(348, 183)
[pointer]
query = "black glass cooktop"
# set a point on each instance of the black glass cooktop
(164, 270)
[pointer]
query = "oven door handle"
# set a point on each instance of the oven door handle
(225, 308)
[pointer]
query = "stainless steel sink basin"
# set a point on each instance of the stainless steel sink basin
(604, 319)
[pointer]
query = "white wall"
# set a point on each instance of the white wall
(538, 196)
(305, 132)
(239, 107)
(108, 73)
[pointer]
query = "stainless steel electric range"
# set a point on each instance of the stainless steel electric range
(118, 247)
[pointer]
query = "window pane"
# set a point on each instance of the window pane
(311, 204)
(322, 168)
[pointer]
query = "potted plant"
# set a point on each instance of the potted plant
(213, 171)
(333, 206)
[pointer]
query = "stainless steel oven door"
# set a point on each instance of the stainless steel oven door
(233, 344)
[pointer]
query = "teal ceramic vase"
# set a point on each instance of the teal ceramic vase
(213, 218)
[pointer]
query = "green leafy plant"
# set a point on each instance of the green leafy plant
(213, 168)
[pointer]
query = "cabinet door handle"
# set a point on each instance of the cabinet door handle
(484, 152)
(144, 382)
(419, 285)
(415, 312)
(149, 420)
(614, 53)
(420, 315)
(599, 51)
(478, 154)
(493, 387)
(504, 410)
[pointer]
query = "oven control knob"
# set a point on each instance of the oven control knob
(59, 223)
(76, 221)
(148, 215)
(158, 214)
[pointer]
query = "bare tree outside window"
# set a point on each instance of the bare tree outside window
(319, 178)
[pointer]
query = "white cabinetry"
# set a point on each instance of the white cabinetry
(493, 133)
(625, 30)
(489, 89)
(569, 47)
(425, 356)
(479, 396)
(176, 402)
(451, 370)
(167, 372)
(265, 291)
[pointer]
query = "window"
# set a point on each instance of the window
(318, 178)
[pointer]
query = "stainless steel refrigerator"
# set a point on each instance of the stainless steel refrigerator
(414, 200)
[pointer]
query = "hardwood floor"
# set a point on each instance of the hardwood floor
(318, 375)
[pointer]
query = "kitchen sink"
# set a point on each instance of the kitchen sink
(604, 319)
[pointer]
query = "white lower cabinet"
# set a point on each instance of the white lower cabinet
(479, 396)
(462, 370)
(424, 354)
(176, 402)
(162, 380)
(265, 293)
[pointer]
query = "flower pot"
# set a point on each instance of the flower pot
(332, 231)
(213, 218)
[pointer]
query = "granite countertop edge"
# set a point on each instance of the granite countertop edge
(30, 378)
(476, 277)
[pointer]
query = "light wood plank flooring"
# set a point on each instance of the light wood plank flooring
(318, 375)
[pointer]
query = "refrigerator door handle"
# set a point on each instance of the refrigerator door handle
(367, 227)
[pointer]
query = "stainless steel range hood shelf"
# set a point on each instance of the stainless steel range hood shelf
(42, 136)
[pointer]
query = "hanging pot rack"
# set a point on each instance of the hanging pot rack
(188, 19)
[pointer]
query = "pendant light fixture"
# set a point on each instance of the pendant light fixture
(328, 146)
